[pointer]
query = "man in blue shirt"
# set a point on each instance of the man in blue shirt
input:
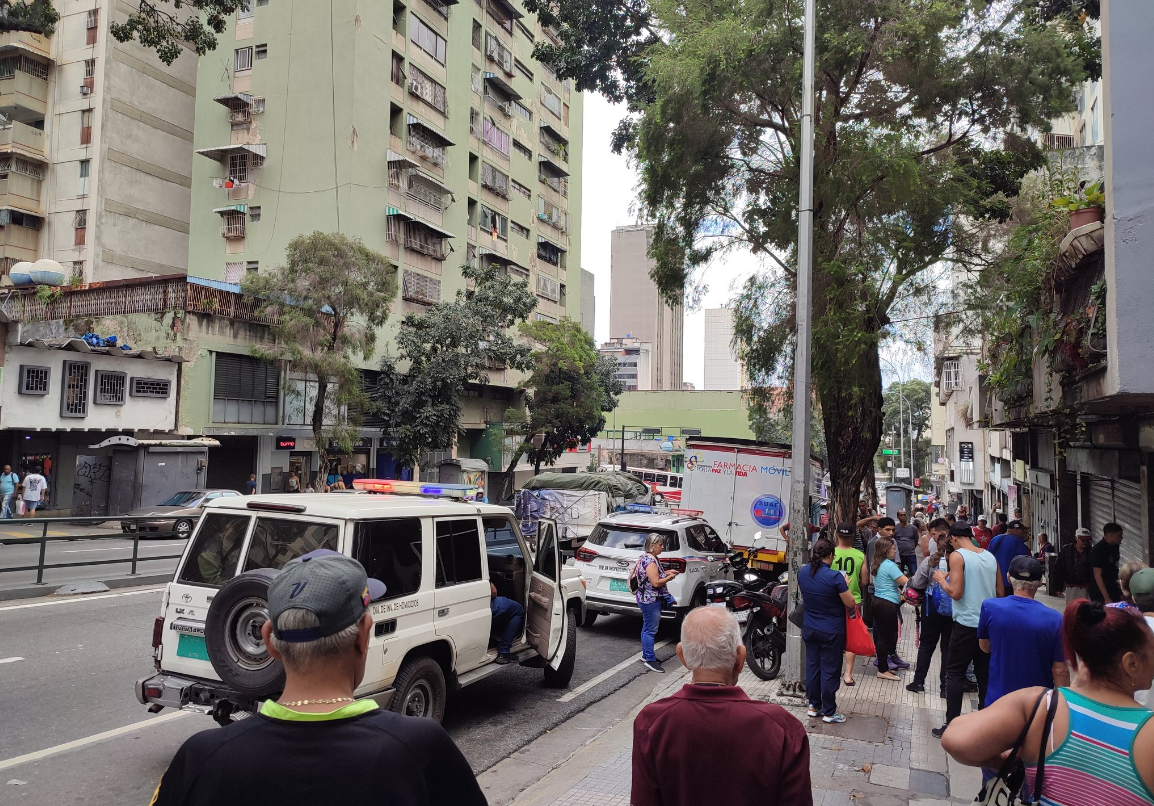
(1023, 636)
(1006, 547)
(8, 482)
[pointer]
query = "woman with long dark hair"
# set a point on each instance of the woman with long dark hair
(888, 580)
(1100, 748)
(934, 627)
(826, 597)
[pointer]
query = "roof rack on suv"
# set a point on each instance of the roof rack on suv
(415, 488)
(659, 509)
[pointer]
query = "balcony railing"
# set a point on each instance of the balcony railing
(425, 248)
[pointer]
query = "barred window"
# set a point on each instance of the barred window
(151, 387)
(548, 288)
(494, 180)
(110, 388)
(74, 392)
(421, 288)
(427, 89)
(34, 380)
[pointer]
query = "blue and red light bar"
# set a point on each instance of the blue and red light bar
(415, 488)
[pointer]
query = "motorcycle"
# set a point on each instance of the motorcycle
(760, 610)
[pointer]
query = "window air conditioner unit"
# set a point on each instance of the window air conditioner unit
(85, 90)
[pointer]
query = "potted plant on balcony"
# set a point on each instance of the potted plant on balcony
(1086, 204)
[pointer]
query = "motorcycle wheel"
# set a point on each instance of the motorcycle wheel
(762, 651)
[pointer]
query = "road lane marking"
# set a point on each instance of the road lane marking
(605, 675)
(10, 660)
(99, 737)
(87, 598)
(122, 548)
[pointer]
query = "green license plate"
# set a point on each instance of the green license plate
(191, 646)
(619, 585)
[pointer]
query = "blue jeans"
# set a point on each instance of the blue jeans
(651, 617)
(824, 653)
(508, 619)
(5, 508)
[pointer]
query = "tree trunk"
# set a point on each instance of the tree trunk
(318, 424)
(853, 424)
(510, 483)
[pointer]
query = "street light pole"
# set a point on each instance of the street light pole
(623, 448)
(793, 684)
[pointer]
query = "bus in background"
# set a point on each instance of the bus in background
(664, 483)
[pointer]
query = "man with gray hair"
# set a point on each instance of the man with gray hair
(760, 749)
(1022, 635)
(317, 743)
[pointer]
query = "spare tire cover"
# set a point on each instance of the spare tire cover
(232, 635)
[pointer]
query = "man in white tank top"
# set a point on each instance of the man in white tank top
(973, 577)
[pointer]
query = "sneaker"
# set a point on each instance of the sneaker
(836, 718)
(898, 663)
(937, 732)
(653, 665)
(811, 711)
(916, 688)
(505, 657)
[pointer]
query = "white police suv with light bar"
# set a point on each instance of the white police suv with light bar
(609, 555)
(436, 549)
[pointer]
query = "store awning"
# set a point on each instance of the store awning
(444, 233)
(554, 133)
(220, 153)
(504, 86)
(234, 101)
(502, 260)
(552, 167)
(416, 121)
(398, 213)
(232, 208)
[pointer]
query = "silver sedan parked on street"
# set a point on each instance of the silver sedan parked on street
(175, 516)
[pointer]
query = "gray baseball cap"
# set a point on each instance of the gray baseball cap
(327, 583)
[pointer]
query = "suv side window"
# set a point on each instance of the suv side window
(713, 541)
(215, 553)
(275, 541)
(458, 552)
(390, 550)
(695, 537)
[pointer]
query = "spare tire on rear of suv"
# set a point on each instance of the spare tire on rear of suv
(232, 634)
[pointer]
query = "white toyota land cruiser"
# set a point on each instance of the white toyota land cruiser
(431, 632)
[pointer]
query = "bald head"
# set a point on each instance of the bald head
(711, 646)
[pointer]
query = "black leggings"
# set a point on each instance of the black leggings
(885, 631)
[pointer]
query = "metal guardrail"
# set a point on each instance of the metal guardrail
(44, 539)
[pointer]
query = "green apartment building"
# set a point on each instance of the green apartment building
(428, 130)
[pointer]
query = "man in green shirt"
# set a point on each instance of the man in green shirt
(851, 562)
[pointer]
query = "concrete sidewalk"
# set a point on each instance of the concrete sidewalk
(884, 755)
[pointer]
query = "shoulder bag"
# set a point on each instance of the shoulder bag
(1007, 787)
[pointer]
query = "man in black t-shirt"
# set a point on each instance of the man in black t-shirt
(1104, 559)
(316, 744)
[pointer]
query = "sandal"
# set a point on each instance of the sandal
(849, 682)
(888, 676)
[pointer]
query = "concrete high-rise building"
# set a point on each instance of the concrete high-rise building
(634, 360)
(722, 367)
(588, 303)
(424, 128)
(95, 150)
(637, 310)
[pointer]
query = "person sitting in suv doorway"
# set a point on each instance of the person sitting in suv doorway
(316, 743)
(508, 619)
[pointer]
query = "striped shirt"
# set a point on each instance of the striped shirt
(1093, 765)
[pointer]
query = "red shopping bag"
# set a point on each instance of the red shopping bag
(857, 636)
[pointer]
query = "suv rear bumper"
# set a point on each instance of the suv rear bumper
(598, 605)
(188, 693)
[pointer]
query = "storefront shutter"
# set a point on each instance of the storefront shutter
(1120, 502)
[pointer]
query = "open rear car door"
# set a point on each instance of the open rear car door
(545, 622)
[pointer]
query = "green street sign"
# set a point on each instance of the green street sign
(888, 452)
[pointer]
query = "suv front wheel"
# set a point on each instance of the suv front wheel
(421, 690)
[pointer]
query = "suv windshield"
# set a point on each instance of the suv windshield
(182, 499)
(629, 537)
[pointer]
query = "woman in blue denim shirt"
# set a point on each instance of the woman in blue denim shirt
(651, 578)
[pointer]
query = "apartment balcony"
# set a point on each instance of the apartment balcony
(18, 242)
(20, 192)
(15, 43)
(24, 140)
(23, 97)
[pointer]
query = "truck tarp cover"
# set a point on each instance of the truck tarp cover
(616, 485)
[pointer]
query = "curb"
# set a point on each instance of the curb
(49, 588)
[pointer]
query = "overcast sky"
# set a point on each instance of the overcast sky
(609, 200)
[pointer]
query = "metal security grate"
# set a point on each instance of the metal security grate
(74, 393)
(151, 387)
(110, 388)
(34, 380)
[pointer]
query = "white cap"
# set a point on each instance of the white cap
(1083, 532)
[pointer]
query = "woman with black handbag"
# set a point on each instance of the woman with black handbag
(1089, 743)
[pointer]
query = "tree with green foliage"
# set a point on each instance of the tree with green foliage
(37, 16)
(169, 26)
(903, 403)
(917, 109)
(445, 349)
(326, 303)
(568, 393)
(770, 414)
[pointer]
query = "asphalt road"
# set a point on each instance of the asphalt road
(21, 548)
(67, 668)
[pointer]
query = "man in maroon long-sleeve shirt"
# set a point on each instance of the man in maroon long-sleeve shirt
(710, 743)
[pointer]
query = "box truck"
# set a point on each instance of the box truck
(742, 487)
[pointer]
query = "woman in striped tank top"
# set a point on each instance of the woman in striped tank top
(1100, 751)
